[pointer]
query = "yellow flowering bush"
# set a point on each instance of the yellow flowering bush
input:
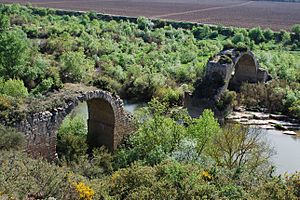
(206, 176)
(115, 176)
(84, 191)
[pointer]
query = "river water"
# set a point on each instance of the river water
(287, 147)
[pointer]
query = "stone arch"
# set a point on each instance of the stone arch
(245, 69)
(108, 122)
(226, 70)
(234, 67)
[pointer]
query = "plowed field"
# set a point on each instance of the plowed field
(242, 13)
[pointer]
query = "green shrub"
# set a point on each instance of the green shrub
(169, 95)
(4, 22)
(228, 99)
(44, 86)
(202, 32)
(71, 139)
(293, 183)
(14, 88)
(296, 29)
(268, 34)
(256, 34)
(107, 83)
(75, 66)
(239, 37)
(6, 103)
(22, 177)
(11, 139)
(95, 166)
(295, 109)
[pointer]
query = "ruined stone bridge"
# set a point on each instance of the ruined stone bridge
(231, 68)
(227, 70)
(108, 122)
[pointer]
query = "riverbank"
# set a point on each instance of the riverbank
(266, 121)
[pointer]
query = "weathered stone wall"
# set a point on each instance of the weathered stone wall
(233, 68)
(226, 70)
(40, 128)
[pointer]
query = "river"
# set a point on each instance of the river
(287, 148)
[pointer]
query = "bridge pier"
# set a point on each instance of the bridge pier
(227, 70)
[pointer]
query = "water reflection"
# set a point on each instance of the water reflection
(287, 147)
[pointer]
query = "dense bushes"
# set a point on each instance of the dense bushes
(10, 139)
(234, 165)
(276, 96)
(170, 156)
(26, 178)
(14, 88)
(134, 60)
(174, 135)
(75, 67)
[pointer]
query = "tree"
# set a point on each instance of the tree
(203, 129)
(240, 147)
(144, 23)
(14, 53)
(256, 35)
(239, 37)
(10, 139)
(4, 22)
(285, 37)
(75, 66)
(268, 34)
(296, 29)
(202, 32)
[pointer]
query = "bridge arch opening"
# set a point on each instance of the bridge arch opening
(95, 126)
(245, 70)
(101, 124)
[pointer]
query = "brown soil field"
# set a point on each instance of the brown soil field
(241, 13)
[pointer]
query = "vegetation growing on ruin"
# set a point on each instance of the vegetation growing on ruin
(170, 155)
